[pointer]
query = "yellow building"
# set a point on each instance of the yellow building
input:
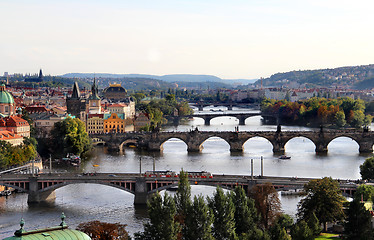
(95, 123)
(114, 123)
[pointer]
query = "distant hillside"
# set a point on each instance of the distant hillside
(359, 77)
(172, 78)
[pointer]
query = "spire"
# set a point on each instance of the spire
(94, 91)
(76, 94)
(40, 74)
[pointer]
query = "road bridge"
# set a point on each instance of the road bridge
(42, 187)
(153, 141)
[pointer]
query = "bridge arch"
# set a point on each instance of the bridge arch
(213, 141)
(66, 183)
(303, 143)
(343, 140)
(316, 144)
(259, 143)
(177, 143)
(127, 142)
(168, 138)
(98, 141)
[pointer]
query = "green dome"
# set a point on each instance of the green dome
(5, 97)
(51, 234)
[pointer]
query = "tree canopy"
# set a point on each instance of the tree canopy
(104, 231)
(367, 169)
(70, 136)
(17, 155)
(319, 111)
(324, 199)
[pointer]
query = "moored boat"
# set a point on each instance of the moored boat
(284, 157)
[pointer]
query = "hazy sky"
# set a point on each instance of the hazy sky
(229, 39)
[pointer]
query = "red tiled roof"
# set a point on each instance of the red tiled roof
(33, 109)
(7, 135)
(118, 105)
(15, 121)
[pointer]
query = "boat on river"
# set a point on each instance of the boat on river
(284, 157)
(5, 193)
(72, 159)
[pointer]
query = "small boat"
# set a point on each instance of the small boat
(71, 158)
(284, 157)
(5, 193)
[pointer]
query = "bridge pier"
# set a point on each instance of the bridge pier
(365, 147)
(194, 147)
(141, 192)
(242, 120)
(236, 146)
(321, 148)
(201, 108)
(207, 121)
(229, 107)
(278, 149)
(37, 196)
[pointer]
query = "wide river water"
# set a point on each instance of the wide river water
(88, 202)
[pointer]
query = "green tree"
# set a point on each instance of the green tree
(70, 136)
(367, 169)
(223, 210)
(367, 121)
(245, 215)
(358, 118)
(301, 231)
(285, 221)
(277, 232)
(358, 224)
(198, 221)
(162, 224)
(340, 119)
(324, 198)
(314, 224)
(364, 193)
(183, 200)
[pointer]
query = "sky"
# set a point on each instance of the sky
(227, 38)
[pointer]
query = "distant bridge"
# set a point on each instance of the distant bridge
(42, 188)
(153, 141)
(229, 105)
(209, 116)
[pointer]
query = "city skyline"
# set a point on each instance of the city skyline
(248, 39)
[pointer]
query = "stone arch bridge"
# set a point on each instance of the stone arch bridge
(42, 188)
(153, 141)
(209, 116)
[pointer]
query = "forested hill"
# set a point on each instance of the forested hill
(355, 77)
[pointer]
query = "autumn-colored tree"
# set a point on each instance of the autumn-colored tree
(267, 203)
(104, 231)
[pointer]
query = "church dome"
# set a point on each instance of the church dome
(115, 92)
(5, 96)
(115, 88)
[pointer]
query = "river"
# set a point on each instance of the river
(87, 202)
